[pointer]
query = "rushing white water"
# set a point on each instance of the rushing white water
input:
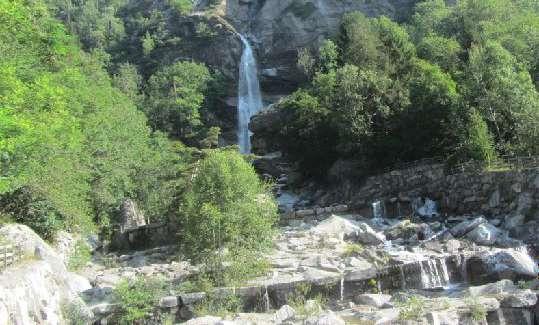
(249, 98)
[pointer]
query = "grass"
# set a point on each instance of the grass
(138, 298)
(477, 310)
(412, 308)
(301, 303)
(352, 250)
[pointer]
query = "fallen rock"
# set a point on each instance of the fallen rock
(502, 286)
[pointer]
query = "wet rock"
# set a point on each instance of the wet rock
(336, 226)
(484, 234)
(373, 300)
(466, 226)
(283, 314)
(325, 319)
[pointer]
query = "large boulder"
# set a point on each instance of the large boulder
(284, 313)
(500, 264)
(36, 291)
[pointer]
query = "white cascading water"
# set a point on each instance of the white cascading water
(249, 98)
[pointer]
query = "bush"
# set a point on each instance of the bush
(74, 313)
(412, 308)
(137, 298)
(226, 206)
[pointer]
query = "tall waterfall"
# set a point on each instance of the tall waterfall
(249, 98)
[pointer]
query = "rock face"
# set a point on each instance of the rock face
(280, 28)
(35, 291)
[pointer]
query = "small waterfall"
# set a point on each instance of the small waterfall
(342, 287)
(249, 97)
(266, 299)
(378, 210)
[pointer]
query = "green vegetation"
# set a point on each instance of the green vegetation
(352, 249)
(304, 302)
(477, 310)
(456, 81)
(137, 298)
(412, 308)
(80, 256)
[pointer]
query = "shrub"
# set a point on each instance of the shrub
(226, 206)
(412, 308)
(137, 298)
(477, 310)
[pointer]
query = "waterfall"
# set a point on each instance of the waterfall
(249, 98)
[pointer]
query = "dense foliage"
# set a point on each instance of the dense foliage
(226, 205)
(456, 82)
(72, 146)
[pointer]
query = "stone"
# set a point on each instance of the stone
(484, 234)
(366, 235)
(284, 313)
(501, 264)
(373, 300)
(312, 306)
(191, 298)
(168, 302)
(520, 299)
(132, 217)
(502, 286)
(466, 226)
(325, 319)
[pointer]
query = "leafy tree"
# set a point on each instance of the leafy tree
(175, 98)
(226, 205)
(502, 91)
(306, 121)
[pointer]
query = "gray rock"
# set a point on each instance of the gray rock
(484, 234)
(373, 300)
(191, 298)
(500, 287)
(168, 302)
(466, 226)
(501, 264)
(366, 235)
(283, 314)
(520, 299)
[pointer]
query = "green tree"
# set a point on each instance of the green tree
(502, 91)
(226, 205)
(176, 97)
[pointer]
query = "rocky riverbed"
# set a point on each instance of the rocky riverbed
(328, 269)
